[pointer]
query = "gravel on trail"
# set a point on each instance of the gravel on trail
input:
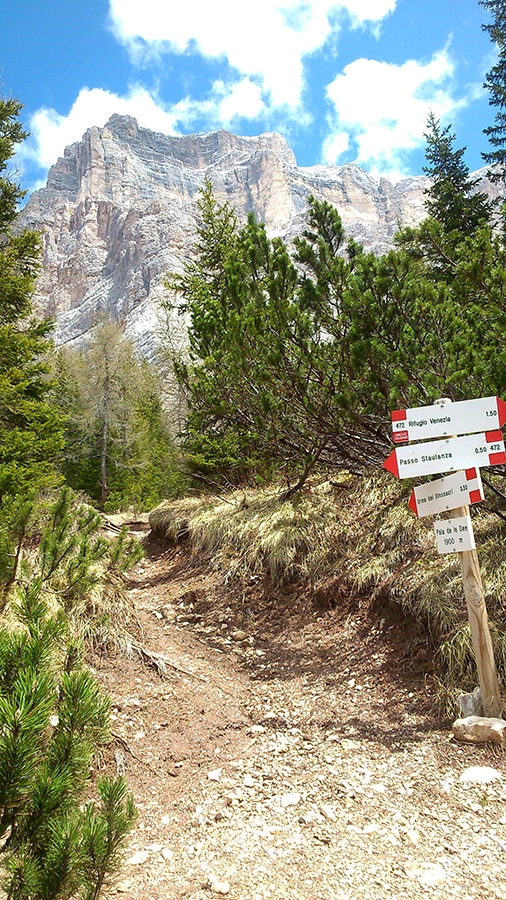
(277, 749)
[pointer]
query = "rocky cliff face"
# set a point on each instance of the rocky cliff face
(119, 212)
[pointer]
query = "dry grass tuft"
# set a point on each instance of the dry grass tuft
(359, 535)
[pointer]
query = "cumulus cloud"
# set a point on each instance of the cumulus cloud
(378, 111)
(268, 40)
(244, 100)
(383, 109)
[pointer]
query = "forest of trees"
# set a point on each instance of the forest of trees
(297, 354)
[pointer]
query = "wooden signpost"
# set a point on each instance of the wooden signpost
(454, 492)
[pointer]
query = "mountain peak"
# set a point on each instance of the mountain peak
(119, 212)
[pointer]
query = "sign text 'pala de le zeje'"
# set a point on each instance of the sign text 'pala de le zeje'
(441, 420)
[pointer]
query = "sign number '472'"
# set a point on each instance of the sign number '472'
(436, 457)
(469, 438)
(443, 420)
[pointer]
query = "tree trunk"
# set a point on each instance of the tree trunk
(103, 449)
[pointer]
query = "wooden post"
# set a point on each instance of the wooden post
(478, 620)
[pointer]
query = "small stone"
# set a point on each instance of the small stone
(249, 781)
(218, 886)
(123, 887)
(380, 788)
(426, 872)
(328, 812)
(168, 613)
(257, 729)
(480, 775)
(239, 635)
(413, 835)
(290, 800)
(371, 827)
(470, 704)
(348, 744)
(214, 775)
(138, 858)
(154, 848)
(166, 853)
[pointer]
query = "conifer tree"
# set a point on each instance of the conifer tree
(30, 423)
(54, 844)
(119, 448)
(452, 198)
(496, 85)
(297, 362)
(30, 433)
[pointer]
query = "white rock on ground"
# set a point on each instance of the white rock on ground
(479, 729)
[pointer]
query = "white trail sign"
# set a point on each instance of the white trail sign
(435, 457)
(442, 420)
(448, 492)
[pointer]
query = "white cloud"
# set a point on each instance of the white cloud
(51, 132)
(243, 99)
(384, 108)
(268, 40)
(368, 10)
(335, 146)
(265, 45)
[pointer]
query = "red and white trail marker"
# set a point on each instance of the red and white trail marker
(448, 492)
(435, 457)
(478, 422)
(441, 420)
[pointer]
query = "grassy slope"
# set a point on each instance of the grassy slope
(354, 536)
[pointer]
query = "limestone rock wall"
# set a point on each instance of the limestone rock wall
(119, 212)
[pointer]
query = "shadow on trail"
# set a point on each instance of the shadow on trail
(367, 665)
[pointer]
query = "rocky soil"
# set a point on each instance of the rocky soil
(277, 749)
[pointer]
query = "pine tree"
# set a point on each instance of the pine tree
(119, 449)
(452, 198)
(30, 423)
(30, 432)
(53, 717)
(297, 362)
(496, 85)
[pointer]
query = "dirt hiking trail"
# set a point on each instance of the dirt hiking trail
(280, 749)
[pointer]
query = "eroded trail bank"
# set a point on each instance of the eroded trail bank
(291, 752)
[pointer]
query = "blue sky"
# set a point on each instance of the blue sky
(343, 80)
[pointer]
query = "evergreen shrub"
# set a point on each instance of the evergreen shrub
(54, 841)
